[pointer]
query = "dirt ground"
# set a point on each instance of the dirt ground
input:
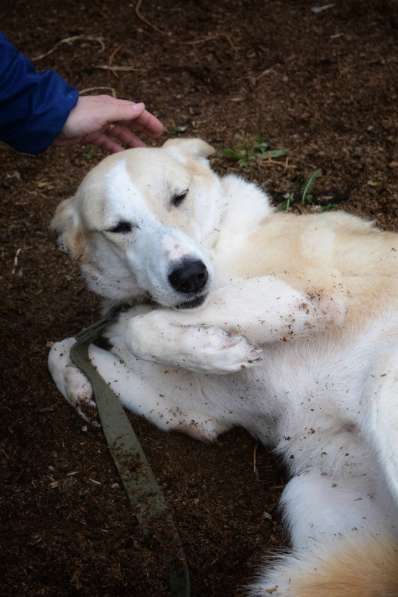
(322, 85)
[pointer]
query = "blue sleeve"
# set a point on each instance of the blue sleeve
(33, 106)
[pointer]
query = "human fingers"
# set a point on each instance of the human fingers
(124, 111)
(124, 135)
(104, 141)
(114, 110)
(150, 124)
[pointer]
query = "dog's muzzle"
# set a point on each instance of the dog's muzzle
(191, 304)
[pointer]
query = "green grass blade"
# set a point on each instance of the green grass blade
(274, 154)
(309, 185)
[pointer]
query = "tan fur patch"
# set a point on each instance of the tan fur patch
(369, 570)
(328, 255)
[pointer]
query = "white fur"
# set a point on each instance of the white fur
(262, 352)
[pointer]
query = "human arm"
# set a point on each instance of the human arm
(33, 106)
(40, 108)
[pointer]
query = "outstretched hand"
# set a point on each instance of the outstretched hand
(107, 122)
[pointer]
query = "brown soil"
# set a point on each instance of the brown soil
(322, 85)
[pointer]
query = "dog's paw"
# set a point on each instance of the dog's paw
(79, 394)
(214, 350)
(198, 348)
(72, 384)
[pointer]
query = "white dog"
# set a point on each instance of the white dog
(286, 325)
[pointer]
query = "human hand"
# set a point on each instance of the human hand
(105, 121)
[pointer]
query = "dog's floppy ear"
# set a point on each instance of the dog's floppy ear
(66, 225)
(189, 148)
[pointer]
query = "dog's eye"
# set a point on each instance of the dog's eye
(178, 199)
(121, 228)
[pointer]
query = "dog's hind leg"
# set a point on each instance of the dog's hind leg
(172, 399)
(340, 536)
(319, 508)
(380, 415)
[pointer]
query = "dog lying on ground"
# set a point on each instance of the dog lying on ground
(286, 325)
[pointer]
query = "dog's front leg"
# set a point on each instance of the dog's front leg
(227, 333)
(160, 337)
(267, 310)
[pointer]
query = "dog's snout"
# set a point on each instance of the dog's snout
(190, 276)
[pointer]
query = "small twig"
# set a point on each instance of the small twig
(253, 79)
(271, 162)
(70, 40)
(204, 40)
(255, 469)
(111, 57)
(15, 265)
(103, 87)
(113, 54)
(121, 68)
(318, 9)
(145, 20)
(267, 71)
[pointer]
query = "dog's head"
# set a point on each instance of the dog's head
(141, 223)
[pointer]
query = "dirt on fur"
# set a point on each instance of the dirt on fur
(323, 85)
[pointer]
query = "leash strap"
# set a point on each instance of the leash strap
(137, 477)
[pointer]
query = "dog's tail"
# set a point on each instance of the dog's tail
(361, 568)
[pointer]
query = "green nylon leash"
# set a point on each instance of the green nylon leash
(137, 477)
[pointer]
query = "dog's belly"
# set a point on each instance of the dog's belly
(295, 391)
(312, 396)
(302, 397)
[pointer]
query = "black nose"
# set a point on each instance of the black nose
(190, 276)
